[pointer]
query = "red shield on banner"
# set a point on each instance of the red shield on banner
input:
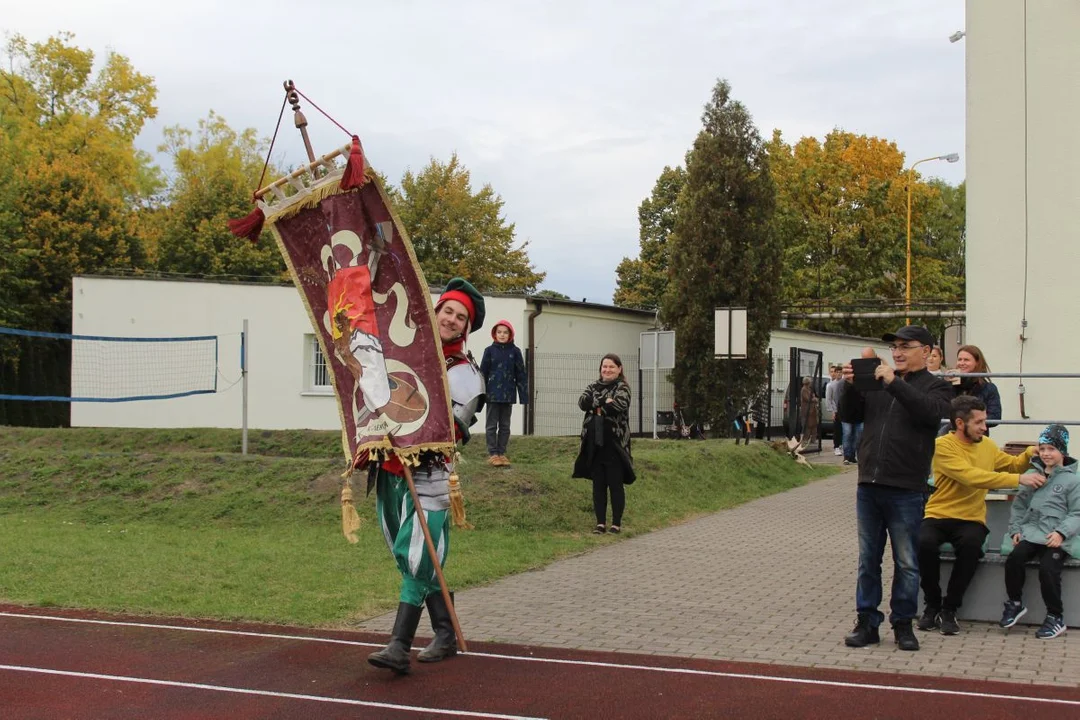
(371, 312)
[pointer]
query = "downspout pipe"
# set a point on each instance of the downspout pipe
(530, 411)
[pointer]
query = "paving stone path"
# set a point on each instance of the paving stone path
(771, 581)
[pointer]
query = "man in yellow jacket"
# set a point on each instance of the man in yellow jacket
(966, 465)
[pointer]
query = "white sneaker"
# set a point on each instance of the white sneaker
(838, 451)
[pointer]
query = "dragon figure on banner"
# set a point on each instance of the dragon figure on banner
(406, 389)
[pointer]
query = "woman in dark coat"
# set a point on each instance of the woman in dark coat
(605, 442)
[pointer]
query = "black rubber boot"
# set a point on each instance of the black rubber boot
(395, 656)
(444, 644)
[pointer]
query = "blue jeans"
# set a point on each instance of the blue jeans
(852, 435)
(880, 510)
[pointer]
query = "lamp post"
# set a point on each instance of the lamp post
(951, 157)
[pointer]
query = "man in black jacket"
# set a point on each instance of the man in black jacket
(901, 421)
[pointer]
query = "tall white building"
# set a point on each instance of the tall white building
(1023, 196)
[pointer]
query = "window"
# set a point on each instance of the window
(318, 372)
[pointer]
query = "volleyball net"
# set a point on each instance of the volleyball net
(58, 367)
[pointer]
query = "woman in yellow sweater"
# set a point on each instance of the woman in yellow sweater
(966, 465)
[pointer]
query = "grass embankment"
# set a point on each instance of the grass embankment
(178, 522)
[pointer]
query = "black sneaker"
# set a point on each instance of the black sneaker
(946, 621)
(1053, 626)
(904, 636)
(1013, 612)
(928, 621)
(863, 633)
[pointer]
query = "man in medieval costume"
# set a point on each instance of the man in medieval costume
(459, 310)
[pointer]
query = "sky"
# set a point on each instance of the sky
(568, 109)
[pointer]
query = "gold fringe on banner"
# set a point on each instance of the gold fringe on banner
(309, 198)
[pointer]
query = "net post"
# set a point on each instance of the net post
(244, 394)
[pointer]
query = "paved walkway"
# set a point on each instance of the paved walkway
(771, 581)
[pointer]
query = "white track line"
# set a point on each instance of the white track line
(265, 693)
(583, 663)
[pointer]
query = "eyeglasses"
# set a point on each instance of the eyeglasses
(904, 348)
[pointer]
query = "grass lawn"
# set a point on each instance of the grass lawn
(178, 522)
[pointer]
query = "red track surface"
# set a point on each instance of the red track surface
(53, 665)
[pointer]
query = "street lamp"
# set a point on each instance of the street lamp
(951, 157)
(957, 36)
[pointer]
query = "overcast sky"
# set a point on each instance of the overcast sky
(570, 109)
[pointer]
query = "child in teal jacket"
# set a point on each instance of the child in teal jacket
(1044, 524)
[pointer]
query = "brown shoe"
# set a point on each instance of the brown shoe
(493, 460)
(504, 461)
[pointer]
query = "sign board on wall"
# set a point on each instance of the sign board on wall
(730, 329)
(657, 350)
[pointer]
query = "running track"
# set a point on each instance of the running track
(65, 664)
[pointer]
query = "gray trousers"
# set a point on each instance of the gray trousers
(497, 424)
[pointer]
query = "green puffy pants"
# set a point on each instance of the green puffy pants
(397, 516)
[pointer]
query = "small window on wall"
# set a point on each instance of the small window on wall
(318, 372)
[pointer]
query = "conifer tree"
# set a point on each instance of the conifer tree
(723, 253)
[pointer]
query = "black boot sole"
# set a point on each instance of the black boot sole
(437, 658)
(389, 665)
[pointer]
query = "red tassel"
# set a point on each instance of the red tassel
(354, 167)
(250, 226)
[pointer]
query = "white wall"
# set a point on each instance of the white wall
(582, 329)
(278, 398)
(836, 349)
(1006, 140)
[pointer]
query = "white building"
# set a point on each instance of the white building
(287, 383)
(1023, 196)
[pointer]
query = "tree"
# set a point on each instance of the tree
(723, 253)
(457, 232)
(841, 214)
(71, 174)
(216, 171)
(70, 181)
(938, 235)
(643, 281)
(554, 295)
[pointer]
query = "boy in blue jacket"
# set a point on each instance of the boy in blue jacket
(1044, 524)
(503, 369)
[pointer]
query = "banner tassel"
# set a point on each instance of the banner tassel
(353, 176)
(350, 519)
(250, 226)
(457, 504)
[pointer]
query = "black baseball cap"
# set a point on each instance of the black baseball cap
(911, 332)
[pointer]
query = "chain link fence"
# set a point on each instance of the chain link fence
(559, 378)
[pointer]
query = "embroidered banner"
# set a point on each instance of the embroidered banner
(372, 314)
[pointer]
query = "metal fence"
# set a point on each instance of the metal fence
(559, 378)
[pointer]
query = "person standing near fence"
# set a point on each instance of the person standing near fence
(832, 400)
(852, 429)
(503, 369)
(604, 456)
(809, 409)
(901, 422)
